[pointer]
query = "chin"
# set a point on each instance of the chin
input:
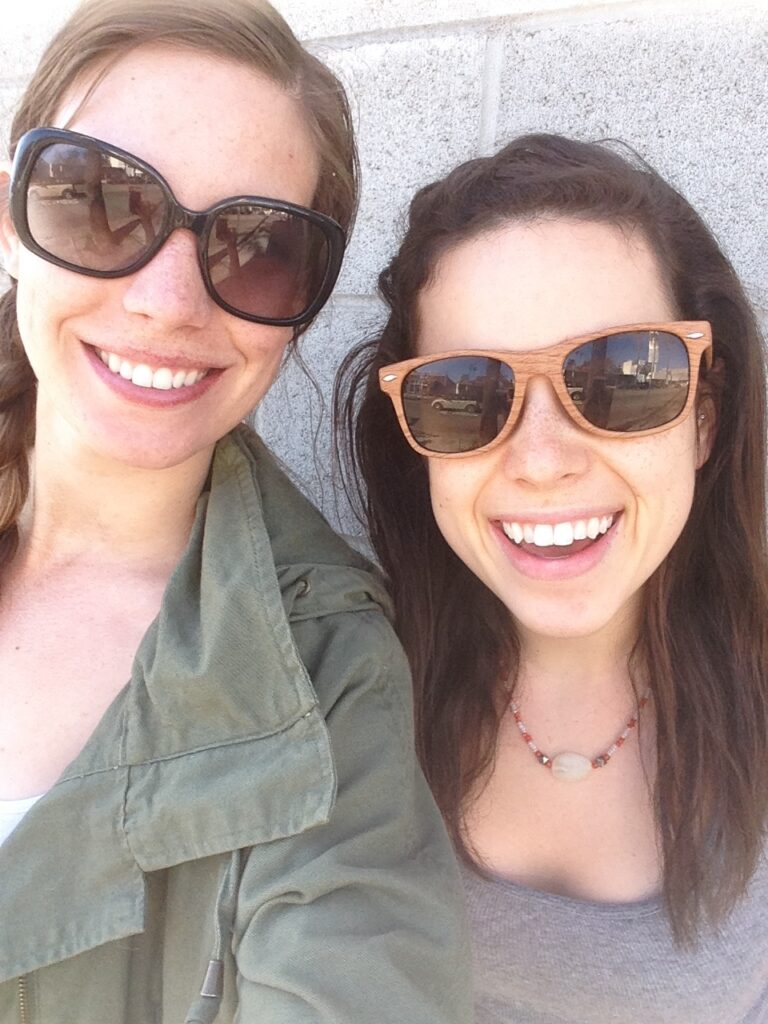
(566, 623)
(562, 630)
(148, 453)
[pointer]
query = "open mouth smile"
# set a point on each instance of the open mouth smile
(560, 541)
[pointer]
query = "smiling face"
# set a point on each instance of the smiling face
(214, 129)
(562, 525)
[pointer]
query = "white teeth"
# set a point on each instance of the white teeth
(563, 535)
(163, 379)
(144, 376)
(545, 535)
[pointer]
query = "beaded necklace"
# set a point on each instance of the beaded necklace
(568, 766)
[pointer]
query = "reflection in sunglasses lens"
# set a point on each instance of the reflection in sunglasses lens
(459, 403)
(93, 210)
(266, 262)
(631, 381)
(101, 212)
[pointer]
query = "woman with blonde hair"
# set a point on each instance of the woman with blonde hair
(210, 806)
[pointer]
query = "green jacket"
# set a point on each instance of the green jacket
(246, 836)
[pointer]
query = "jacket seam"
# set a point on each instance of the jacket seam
(254, 737)
(269, 584)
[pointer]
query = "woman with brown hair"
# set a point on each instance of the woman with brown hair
(560, 442)
(240, 832)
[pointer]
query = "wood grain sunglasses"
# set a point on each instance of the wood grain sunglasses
(623, 382)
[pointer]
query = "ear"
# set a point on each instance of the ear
(9, 240)
(706, 429)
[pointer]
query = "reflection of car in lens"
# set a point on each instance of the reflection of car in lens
(455, 405)
(577, 394)
(56, 191)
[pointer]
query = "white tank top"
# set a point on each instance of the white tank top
(11, 813)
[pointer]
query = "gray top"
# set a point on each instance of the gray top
(546, 959)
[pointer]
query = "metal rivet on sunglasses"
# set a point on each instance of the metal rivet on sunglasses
(391, 376)
(697, 334)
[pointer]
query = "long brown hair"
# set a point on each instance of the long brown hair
(704, 638)
(97, 35)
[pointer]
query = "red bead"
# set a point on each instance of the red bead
(527, 737)
(620, 741)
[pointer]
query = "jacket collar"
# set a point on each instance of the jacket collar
(218, 697)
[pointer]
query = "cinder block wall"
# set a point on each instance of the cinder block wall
(433, 82)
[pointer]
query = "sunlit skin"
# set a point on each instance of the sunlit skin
(206, 150)
(524, 287)
(115, 479)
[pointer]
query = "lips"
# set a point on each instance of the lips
(153, 385)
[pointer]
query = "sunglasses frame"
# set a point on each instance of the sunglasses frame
(696, 335)
(200, 222)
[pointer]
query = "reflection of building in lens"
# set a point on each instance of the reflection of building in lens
(635, 360)
(423, 383)
(657, 363)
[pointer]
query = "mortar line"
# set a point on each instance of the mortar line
(359, 299)
(529, 19)
(490, 96)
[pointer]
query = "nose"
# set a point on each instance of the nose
(546, 448)
(170, 289)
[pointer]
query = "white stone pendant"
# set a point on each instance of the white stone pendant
(571, 767)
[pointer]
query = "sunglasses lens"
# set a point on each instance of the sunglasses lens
(458, 404)
(266, 262)
(635, 380)
(90, 209)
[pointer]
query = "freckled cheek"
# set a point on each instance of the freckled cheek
(456, 495)
(447, 485)
(679, 495)
(262, 351)
(47, 294)
(663, 483)
(440, 493)
(35, 315)
(257, 343)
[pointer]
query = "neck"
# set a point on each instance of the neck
(84, 509)
(576, 693)
(559, 672)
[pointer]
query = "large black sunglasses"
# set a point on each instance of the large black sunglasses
(90, 207)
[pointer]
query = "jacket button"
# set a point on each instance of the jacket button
(303, 588)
